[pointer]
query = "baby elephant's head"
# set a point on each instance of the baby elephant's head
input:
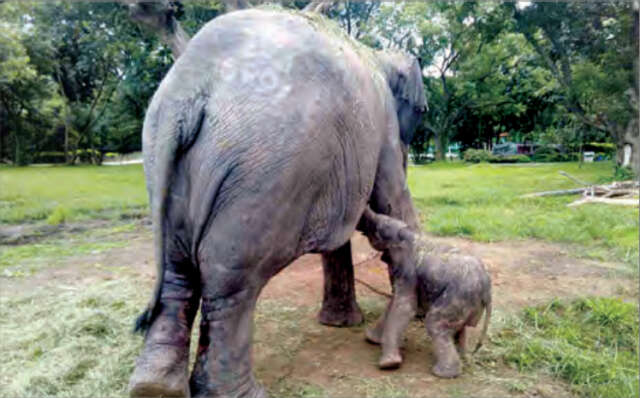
(385, 232)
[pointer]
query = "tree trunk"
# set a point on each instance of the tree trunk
(2, 133)
(17, 157)
(441, 145)
(632, 135)
(158, 17)
(321, 7)
(627, 147)
(66, 145)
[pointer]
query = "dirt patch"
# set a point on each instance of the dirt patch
(22, 234)
(136, 258)
(523, 273)
(294, 355)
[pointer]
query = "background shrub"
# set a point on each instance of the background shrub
(477, 155)
(510, 159)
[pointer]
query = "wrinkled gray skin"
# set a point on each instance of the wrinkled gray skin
(453, 289)
(265, 141)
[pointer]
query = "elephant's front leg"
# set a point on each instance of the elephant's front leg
(339, 306)
(402, 307)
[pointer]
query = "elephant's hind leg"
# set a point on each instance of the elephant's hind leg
(162, 367)
(339, 306)
(448, 363)
(230, 288)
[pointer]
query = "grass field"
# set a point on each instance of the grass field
(478, 201)
(59, 194)
(592, 343)
(482, 202)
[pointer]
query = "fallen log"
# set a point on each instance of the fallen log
(621, 192)
(554, 193)
(597, 199)
(574, 179)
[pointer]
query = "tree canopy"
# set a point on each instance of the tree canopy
(76, 77)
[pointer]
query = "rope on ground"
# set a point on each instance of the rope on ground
(365, 284)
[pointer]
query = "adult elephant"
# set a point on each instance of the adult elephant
(265, 141)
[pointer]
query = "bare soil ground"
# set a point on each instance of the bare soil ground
(294, 355)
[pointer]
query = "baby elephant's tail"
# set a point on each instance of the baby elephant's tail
(485, 327)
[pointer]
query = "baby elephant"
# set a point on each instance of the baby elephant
(453, 290)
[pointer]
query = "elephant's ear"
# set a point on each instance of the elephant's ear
(410, 93)
(411, 88)
(404, 76)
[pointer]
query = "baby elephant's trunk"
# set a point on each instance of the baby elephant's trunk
(485, 327)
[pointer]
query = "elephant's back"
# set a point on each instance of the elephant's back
(293, 123)
(273, 55)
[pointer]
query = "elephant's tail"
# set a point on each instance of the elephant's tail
(487, 319)
(171, 128)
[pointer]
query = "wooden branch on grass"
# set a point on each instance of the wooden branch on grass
(554, 193)
(574, 179)
(620, 193)
(597, 199)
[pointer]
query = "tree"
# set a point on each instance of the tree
(28, 100)
(354, 17)
(590, 51)
(159, 17)
(553, 72)
(446, 36)
(101, 72)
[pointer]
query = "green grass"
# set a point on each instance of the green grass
(592, 343)
(478, 201)
(482, 202)
(59, 194)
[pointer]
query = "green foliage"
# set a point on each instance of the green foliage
(59, 215)
(89, 72)
(623, 173)
(482, 202)
(510, 159)
(476, 155)
(82, 73)
(28, 99)
(481, 155)
(604, 147)
(589, 50)
(592, 343)
(551, 154)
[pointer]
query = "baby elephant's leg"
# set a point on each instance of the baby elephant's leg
(396, 239)
(374, 335)
(447, 358)
(461, 341)
(461, 335)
